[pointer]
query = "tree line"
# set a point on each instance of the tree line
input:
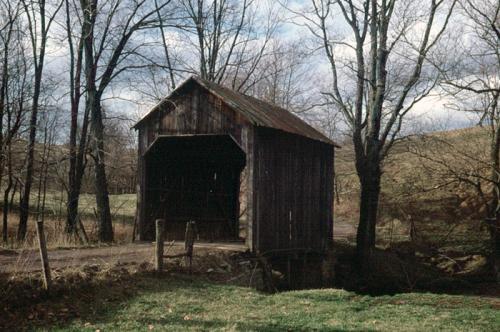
(355, 66)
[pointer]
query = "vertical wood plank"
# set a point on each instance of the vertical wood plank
(160, 224)
(249, 137)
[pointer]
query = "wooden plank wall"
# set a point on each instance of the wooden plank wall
(290, 177)
(195, 112)
(294, 183)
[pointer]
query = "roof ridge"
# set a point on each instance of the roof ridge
(260, 112)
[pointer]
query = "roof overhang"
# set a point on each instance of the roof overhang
(250, 108)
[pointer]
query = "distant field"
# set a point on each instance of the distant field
(173, 304)
(122, 210)
(122, 206)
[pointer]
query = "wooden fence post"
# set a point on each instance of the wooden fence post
(189, 243)
(43, 255)
(159, 245)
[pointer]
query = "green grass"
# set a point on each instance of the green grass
(122, 206)
(186, 305)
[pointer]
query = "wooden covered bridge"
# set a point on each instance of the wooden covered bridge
(242, 168)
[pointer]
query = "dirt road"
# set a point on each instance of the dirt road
(20, 261)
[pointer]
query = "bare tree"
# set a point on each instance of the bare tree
(107, 30)
(378, 74)
(166, 49)
(9, 16)
(77, 149)
(13, 88)
(474, 82)
(39, 18)
(286, 77)
(229, 37)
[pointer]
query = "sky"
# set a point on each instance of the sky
(432, 111)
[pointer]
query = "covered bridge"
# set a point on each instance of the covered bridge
(205, 150)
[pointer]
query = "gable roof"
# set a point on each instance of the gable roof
(256, 111)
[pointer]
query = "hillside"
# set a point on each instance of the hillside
(420, 186)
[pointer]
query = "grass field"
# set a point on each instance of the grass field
(174, 304)
(122, 210)
(122, 206)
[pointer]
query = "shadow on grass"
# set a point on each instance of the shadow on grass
(141, 301)
(118, 300)
(400, 270)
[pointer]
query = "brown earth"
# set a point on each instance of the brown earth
(22, 261)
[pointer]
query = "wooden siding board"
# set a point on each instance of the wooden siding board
(316, 233)
(289, 182)
(330, 192)
(251, 194)
(195, 113)
(293, 195)
(140, 213)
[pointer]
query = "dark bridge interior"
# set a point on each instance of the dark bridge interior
(194, 177)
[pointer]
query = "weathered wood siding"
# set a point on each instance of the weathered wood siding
(195, 112)
(289, 177)
(293, 183)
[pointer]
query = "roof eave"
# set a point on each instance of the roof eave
(171, 94)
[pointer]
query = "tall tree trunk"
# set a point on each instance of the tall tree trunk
(93, 106)
(494, 228)
(76, 177)
(76, 152)
(76, 170)
(494, 207)
(493, 222)
(5, 207)
(25, 200)
(72, 209)
(5, 211)
(73, 194)
(38, 47)
(369, 200)
(3, 108)
(101, 183)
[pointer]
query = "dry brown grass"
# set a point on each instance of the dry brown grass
(419, 191)
(57, 238)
